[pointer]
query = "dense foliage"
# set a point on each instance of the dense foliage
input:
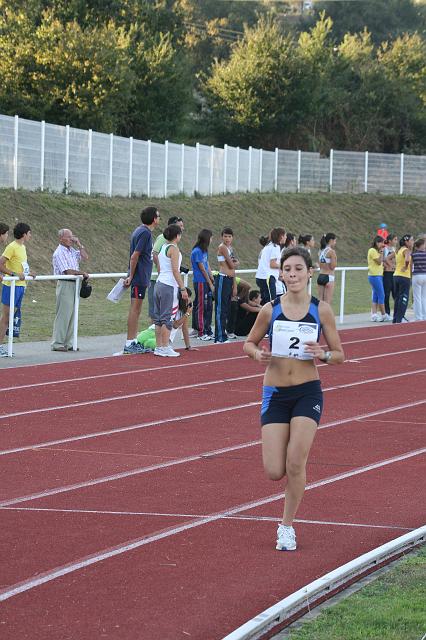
(350, 75)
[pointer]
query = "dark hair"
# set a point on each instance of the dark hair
(326, 239)
(390, 237)
(418, 243)
(264, 240)
(203, 239)
(253, 294)
(290, 237)
(376, 240)
(297, 251)
(20, 229)
(305, 239)
(227, 231)
(276, 234)
(174, 219)
(183, 304)
(172, 231)
(405, 238)
(148, 215)
(4, 228)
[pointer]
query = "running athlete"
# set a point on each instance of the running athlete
(292, 398)
(327, 264)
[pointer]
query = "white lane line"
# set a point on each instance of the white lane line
(185, 460)
(419, 424)
(177, 366)
(48, 576)
(156, 514)
(144, 425)
(122, 373)
(74, 405)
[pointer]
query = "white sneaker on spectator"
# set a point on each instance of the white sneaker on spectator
(205, 337)
(380, 317)
(387, 318)
(169, 352)
(159, 351)
(286, 538)
(232, 336)
(374, 317)
(3, 351)
(193, 333)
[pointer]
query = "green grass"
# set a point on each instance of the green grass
(393, 607)
(104, 226)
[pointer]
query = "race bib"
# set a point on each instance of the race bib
(26, 268)
(288, 339)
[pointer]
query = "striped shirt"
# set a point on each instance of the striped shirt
(65, 258)
(419, 262)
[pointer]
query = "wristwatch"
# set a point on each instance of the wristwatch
(327, 356)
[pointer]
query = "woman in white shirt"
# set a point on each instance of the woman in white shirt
(167, 286)
(268, 271)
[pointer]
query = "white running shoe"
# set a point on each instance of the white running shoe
(160, 351)
(169, 352)
(205, 337)
(286, 538)
(232, 336)
(387, 318)
(193, 333)
(374, 317)
(380, 317)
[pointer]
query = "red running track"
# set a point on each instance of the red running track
(148, 516)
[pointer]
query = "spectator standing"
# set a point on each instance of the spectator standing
(169, 283)
(13, 262)
(66, 261)
(204, 286)
(140, 270)
(402, 278)
(375, 278)
(328, 263)
(4, 233)
(160, 240)
(419, 278)
(268, 271)
(224, 283)
(388, 269)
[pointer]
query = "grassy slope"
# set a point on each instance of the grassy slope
(104, 225)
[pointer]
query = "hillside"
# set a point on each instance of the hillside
(104, 224)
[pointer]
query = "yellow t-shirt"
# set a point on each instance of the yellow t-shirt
(400, 263)
(374, 269)
(16, 260)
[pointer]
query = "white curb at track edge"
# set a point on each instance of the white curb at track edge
(310, 595)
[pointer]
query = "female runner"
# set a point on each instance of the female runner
(328, 264)
(292, 398)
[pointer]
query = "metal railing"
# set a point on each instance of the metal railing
(78, 279)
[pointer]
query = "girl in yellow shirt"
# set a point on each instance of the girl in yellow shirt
(375, 278)
(402, 278)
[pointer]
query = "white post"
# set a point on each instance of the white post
(211, 169)
(276, 170)
(237, 180)
(76, 309)
(197, 167)
(260, 169)
(89, 163)
(366, 173)
(11, 317)
(401, 176)
(225, 167)
(42, 146)
(166, 163)
(330, 182)
(15, 154)
(299, 169)
(182, 168)
(111, 157)
(250, 168)
(148, 170)
(342, 296)
(130, 165)
(67, 157)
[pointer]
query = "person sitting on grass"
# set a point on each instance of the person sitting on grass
(248, 309)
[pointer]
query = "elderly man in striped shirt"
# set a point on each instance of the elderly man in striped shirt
(66, 261)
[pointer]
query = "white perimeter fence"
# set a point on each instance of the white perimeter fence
(77, 279)
(41, 156)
